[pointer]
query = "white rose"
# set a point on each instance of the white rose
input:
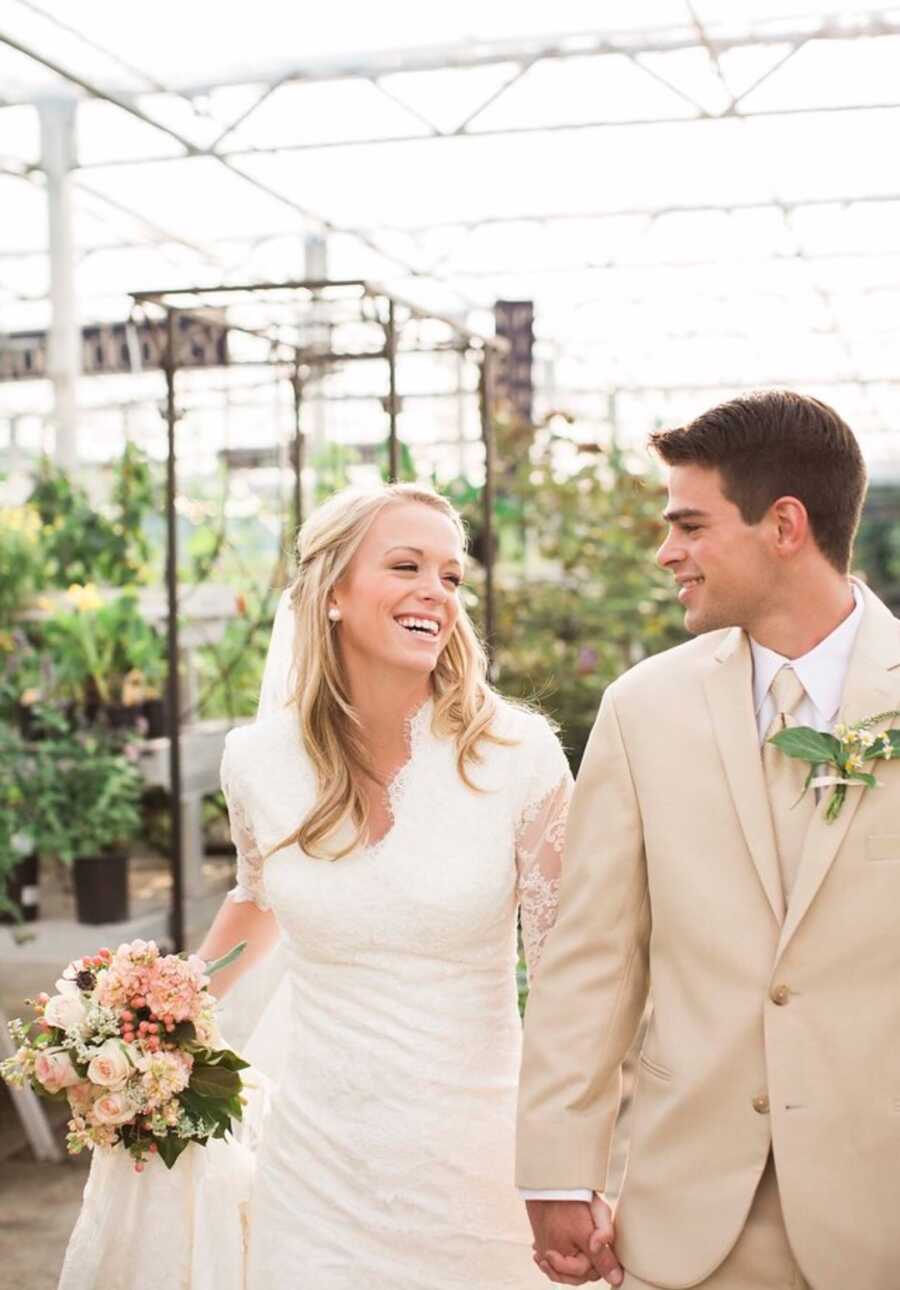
(110, 1066)
(54, 1070)
(112, 1108)
(65, 1011)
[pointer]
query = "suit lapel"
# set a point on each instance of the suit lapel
(872, 686)
(729, 691)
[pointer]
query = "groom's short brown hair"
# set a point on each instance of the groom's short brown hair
(775, 443)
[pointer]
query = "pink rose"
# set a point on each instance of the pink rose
(54, 1070)
(113, 1108)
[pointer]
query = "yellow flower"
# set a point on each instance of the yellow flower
(46, 604)
(28, 697)
(6, 642)
(85, 599)
(841, 732)
(855, 762)
(865, 738)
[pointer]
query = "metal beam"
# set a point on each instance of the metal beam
(369, 64)
(655, 212)
(191, 149)
(233, 155)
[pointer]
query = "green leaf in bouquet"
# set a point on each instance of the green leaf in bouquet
(214, 1082)
(230, 1061)
(807, 744)
(864, 778)
(227, 959)
(184, 1033)
(170, 1148)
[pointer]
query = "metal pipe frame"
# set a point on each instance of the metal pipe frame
(173, 689)
(486, 389)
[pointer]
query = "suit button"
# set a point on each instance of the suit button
(780, 995)
(761, 1104)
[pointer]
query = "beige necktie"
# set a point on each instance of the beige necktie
(785, 777)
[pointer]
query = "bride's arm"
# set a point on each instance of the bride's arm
(244, 914)
(238, 921)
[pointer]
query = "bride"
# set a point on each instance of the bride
(391, 813)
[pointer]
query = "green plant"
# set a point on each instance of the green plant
(80, 543)
(98, 646)
(579, 596)
(20, 560)
(18, 824)
(86, 790)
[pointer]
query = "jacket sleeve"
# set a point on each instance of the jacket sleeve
(589, 995)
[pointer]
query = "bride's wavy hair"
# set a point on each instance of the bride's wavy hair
(464, 703)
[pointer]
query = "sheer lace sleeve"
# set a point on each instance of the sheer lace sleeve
(250, 884)
(540, 835)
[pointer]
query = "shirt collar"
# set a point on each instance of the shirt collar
(821, 672)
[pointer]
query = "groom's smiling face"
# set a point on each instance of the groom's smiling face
(721, 564)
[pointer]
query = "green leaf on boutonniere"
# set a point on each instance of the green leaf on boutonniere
(807, 744)
(864, 777)
(877, 749)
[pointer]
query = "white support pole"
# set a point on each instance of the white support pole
(58, 160)
(315, 255)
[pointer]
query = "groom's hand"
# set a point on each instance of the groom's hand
(573, 1241)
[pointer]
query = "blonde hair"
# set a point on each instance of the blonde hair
(464, 703)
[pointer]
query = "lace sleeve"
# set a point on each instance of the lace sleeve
(539, 846)
(250, 885)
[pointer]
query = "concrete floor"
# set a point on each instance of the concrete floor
(38, 1207)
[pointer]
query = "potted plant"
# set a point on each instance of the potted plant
(106, 656)
(89, 791)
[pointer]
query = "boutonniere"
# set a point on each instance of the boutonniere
(847, 751)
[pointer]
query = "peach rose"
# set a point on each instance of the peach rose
(113, 1108)
(54, 1070)
(110, 1066)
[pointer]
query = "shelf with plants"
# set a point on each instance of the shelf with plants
(83, 665)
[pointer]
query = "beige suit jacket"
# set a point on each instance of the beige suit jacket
(671, 888)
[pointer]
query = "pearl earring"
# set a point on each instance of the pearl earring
(334, 614)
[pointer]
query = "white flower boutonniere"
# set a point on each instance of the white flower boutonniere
(847, 750)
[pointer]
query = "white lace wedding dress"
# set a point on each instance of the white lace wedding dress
(386, 1157)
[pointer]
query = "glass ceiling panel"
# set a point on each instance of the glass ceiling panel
(330, 111)
(833, 73)
(651, 294)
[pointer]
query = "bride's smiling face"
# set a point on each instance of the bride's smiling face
(398, 600)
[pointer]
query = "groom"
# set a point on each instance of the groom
(765, 1147)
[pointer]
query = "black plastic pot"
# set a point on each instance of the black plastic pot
(23, 890)
(154, 712)
(101, 888)
(115, 716)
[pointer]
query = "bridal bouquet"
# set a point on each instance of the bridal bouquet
(130, 1041)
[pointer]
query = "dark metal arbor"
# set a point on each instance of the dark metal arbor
(299, 329)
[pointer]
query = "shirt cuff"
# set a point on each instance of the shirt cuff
(567, 1193)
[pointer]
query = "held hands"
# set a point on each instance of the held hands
(573, 1241)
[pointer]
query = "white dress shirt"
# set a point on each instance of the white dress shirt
(822, 673)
